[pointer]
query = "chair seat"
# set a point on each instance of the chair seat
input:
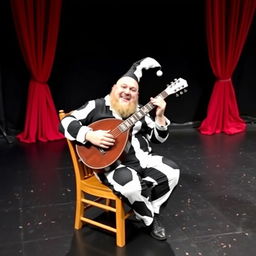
(93, 186)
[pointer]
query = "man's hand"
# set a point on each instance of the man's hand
(161, 105)
(100, 138)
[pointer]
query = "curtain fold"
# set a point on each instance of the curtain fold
(37, 27)
(227, 26)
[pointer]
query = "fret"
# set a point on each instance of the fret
(133, 119)
(151, 106)
(129, 121)
(140, 113)
(122, 127)
(127, 124)
(137, 115)
(148, 107)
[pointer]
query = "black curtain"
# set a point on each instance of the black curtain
(2, 119)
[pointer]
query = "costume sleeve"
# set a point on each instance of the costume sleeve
(157, 133)
(73, 126)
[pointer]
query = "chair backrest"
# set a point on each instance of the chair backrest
(81, 170)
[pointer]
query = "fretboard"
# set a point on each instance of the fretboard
(130, 121)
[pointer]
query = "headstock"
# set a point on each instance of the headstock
(178, 87)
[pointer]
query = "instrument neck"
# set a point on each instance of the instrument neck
(130, 121)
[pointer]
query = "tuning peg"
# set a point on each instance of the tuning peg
(185, 90)
(177, 95)
(181, 92)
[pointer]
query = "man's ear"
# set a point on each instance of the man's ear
(113, 86)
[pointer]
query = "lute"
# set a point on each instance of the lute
(98, 158)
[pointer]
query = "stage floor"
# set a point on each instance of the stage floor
(211, 212)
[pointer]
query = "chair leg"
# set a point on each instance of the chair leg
(79, 209)
(120, 223)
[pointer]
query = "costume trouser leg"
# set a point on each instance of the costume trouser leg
(146, 189)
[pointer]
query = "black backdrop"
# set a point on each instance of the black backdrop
(99, 42)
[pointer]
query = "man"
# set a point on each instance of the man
(142, 179)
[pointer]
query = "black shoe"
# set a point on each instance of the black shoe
(157, 230)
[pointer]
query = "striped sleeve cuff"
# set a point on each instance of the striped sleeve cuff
(81, 134)
(164, 127)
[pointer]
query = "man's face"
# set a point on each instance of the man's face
(124, 96)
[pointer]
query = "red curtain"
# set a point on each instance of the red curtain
(227, 26)
(37, 26)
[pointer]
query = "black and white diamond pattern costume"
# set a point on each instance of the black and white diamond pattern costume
(143, 179)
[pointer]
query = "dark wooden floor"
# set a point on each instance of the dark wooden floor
(212, 211)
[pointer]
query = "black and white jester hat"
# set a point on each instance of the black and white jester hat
(135, 71)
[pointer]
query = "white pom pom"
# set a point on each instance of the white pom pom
(159, 73)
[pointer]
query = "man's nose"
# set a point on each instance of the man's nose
(127, 91)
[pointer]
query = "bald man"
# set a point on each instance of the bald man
(142, 179)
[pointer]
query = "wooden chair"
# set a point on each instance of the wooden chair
(88, 186)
